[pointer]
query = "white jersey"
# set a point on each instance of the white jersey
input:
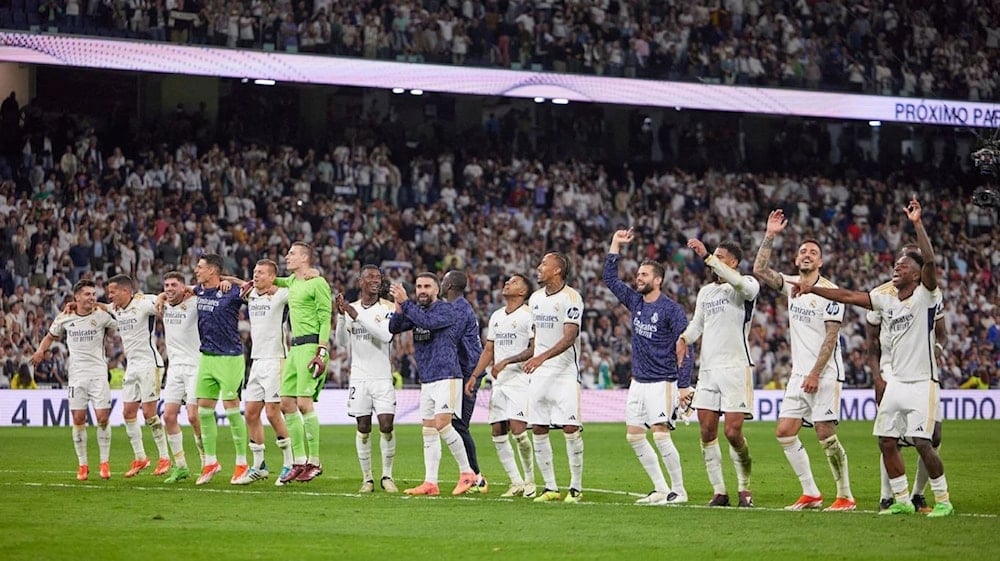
(874, 317)
(84, 337)
(137, 328)
(808, 315)
(368, 339)
(511, 334)
(180, 329)
(267, 313)
(908, 328)
(549, 313)
(722, 316)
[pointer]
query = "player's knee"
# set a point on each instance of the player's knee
(634, 437)
(735, 436)
(364, 425)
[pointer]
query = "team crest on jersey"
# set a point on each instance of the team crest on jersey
(93, 323)
(655, 318)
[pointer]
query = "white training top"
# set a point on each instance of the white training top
(511, 334)
(722, 317)
(84, 337)
(368, 340)
(180, 329)
(137, 328)
(908, 328)
(549, 312)
(808, 315)
(267, 313)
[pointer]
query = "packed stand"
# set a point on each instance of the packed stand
(928, 49)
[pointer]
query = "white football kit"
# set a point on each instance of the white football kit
(180, 329)
(136, 327)
(87, 366)
(267, 313)
(370, 344)
(554, 388)
(511, 334)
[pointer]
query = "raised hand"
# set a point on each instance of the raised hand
(698, 247)
(913, 210)
(776, 222)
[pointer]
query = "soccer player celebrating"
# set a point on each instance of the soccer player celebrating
(911, 398)
(509, 342)
(267, 307)
(436, 333)
(310, 305)
(221, 367)
(722, 316)
(84, 330)
(180, 329)
(657, 322)
(363, 328)
(136, 316)
(813, 392)
(554, 391)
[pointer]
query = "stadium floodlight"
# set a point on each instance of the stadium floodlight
(398, 90)
(874, 124)
(560, 101)
(416, 92)
(264, 82)
(539, 100)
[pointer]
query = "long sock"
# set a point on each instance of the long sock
(201, 448)
(104, 442)
(454, 441)
(574, 451)
(900, 489)
(80, 443)
(649, 461)
(743, 463)
(310, 423)
(238, 428)
(176, 442)
(524, 449)
(671, 460)
(940, 488)
(798, 458)
(134, 432)
(712, 453)
(432, 454)
(285, 445)
(297, 434)
(156, 428)
(836, 456)
(257, 452)
(921, 477)
(388, 449)
(543, 455)
(363, 444)
(209, 434)
(885, 490)
(506, 454)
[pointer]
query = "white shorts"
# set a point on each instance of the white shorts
(94, 391)
(822, 406)
(366, 396)
(181, 381)
(725, 390)
(908, 410)
(508, 403)
(441, 397)
(650, 403)
(264, 380)
(554, 401)
(142, 382)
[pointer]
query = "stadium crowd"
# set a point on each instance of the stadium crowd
(924, 48)
(90, 210)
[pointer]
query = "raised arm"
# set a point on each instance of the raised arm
(776, 222)
(928, 275)
(625, 294)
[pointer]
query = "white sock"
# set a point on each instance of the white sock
(104, 442)
(885, 490)
(176, 442)
(742, 462)
(363, 444)
(156, 428)
(574, 451)
(836, 456)
(900, 489)
(80, 443)
(454, 442)
(543, 454)
(798, 458)
(285, 445)
(257, 453)
(671, 460)
(940, 488)
(432, 454)
(134, 432)
(388, 449)
(527, 455)
(506, 454)
(712, 454)
(649, 461)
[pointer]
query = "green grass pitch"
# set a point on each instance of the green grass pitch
(46, 514)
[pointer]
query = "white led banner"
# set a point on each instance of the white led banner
(301, 68)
